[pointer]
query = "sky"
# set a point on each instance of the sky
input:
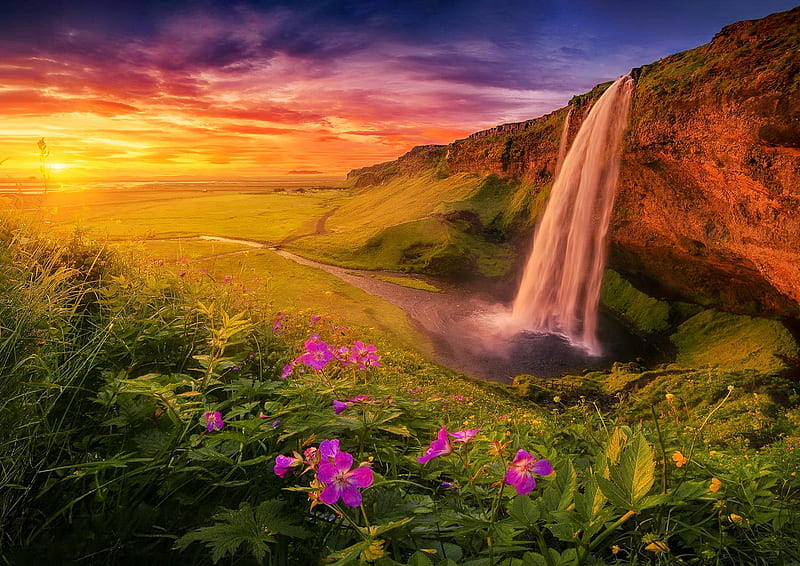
(213, 89)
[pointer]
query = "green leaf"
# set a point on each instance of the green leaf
(630, 481)
(419, 558)
(524, 510)
(254, 528)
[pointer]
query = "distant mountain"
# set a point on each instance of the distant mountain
(708, 206)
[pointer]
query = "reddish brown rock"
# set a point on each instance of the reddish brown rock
(708, 206)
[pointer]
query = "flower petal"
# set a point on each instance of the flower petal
(523, 482)
(329, 448)
(360, 477)
(542, 468)
(326, 472)
(351, 496)
(343, 461)
(330, 494)
(521, 455)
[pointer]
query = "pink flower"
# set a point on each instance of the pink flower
(520, 473)
(329, 449)
(439, 447)
(317, 355)
(311, 457)
(465, 435)
(342, 482)
(364, 355)
(214, 421)
(340, 406)
(284, 463)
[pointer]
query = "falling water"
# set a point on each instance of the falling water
(560, 288)
(562, 147)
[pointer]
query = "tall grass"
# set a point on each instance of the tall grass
(48, 348)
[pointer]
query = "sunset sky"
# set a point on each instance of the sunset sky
(252, 89)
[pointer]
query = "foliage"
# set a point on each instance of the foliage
(162, 416)
(733, 342)
(645, 315)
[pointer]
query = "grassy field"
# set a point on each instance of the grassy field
(163, 226)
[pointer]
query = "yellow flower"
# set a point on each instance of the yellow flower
(657, 546)
(712, 453)
(734, 518)
(715, 485)
(615, 549)
(556, 399)
(670, 397)
(679, 459)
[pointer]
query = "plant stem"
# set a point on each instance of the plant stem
(663, 451)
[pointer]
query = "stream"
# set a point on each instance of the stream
(464, 327)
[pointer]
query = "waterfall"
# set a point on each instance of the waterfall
(560, 288)
(562, 147)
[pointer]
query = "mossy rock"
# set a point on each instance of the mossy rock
(643, 314)
(733, 342)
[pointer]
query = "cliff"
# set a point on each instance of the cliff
(708, 204)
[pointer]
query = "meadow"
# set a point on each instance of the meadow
(183, 401)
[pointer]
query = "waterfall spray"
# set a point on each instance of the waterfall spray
(560, 288)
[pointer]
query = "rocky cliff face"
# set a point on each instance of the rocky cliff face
(708, 205)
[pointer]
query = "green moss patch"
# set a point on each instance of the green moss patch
(733, 342)
(643, 314)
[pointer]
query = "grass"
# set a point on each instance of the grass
(266, 216)
(409, 282)
(733, 342)
(284, 285)
(115, 372)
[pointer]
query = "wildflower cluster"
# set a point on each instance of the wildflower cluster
(335, 474)
(318, 354)
(520, 472)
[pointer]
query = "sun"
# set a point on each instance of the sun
(57, 166)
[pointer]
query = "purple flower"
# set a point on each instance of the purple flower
(287, 370)
(342, 482)
(314, 319)
(317, 355)
(364, 355)
(340, 406)
(329, 449)
(520, 473)
(465, 435)
(439, 447)
(275, 423)
(360, 398)
(214, 421)
(227, 280)
(283, 464)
